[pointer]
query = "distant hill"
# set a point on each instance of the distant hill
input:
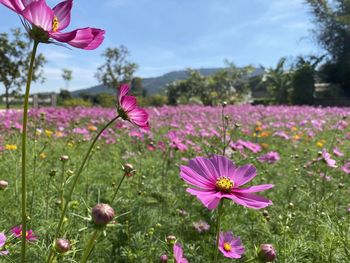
(154, 85)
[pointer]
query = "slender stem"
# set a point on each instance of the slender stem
(62, 186)
(116, 190)
(89, 246)
(24, 151)
(69, 196)
(218, 230)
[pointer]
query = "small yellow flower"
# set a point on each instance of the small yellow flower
(70, 144)
(10, 147)
(48, 133)
(42, 156)
(319, 144)
(294, 128)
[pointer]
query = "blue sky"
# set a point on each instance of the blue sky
(166, 35)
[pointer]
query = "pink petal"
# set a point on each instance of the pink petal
(193, 178)
(84, 38)
(178, 252)
(15, 5)
(205, 168)
(39, 14)
(139, 117)
(208, 198)
(128, 103)
(243, 175)
(224, 165)
(254, 189)
(62, 11)
(123, 90)
(249, 200)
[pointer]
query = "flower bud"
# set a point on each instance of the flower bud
(62, 245)
(267, 253)
(163, 258)
(128, 170)
(52, 172)
(64, 158)
(171, 239)
(3, 184)
(102, 214)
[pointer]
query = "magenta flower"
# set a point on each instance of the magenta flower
(2, 244)
(270, 157)
(230, 246)
(337, 152)
(128, 109)
(179, 254)
(346, 168)
(217, 177)
(17, 232)
(46, 23)
(327, 158)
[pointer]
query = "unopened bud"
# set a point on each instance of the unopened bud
(62, 245)
(267, 253)
(171, 239)
(102, 214)
(64, 158)
(128, 170)
(163, 258)
(3, 184)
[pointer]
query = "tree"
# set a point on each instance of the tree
(67, 76)
(278, 82)
(137, 88)
(117, 68)
(303, 80)
(15, 52)
(332, 19)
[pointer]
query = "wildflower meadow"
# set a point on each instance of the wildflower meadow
(185, 183)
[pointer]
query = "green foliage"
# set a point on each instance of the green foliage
(137, 88)
(278, 82)
(67, 76)
(63, 96)
(106, 100)
(332, 19)
(117, 68)
(76, 102)
(224, 85)
(154, 100)
(15, 52)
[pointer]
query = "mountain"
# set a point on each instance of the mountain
(155, 84)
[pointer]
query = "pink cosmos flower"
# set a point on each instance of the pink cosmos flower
(230, 246)
(175, 141)
(327, 158)
(2, 244)
(270, 157)
(128, 109)
(346, 168)
(17, 232)
(178, 254)
(46, 23)
(217, 177)
(337, 152)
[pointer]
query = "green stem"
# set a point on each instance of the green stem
(89, 246)
(24, 151)
(69, 196)
(218, 230)
(62, 186)
(116, 190)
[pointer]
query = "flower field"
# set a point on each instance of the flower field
(298, 157)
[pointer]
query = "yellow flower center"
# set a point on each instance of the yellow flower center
(227, 247)
(224, 184)
(55, 24)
